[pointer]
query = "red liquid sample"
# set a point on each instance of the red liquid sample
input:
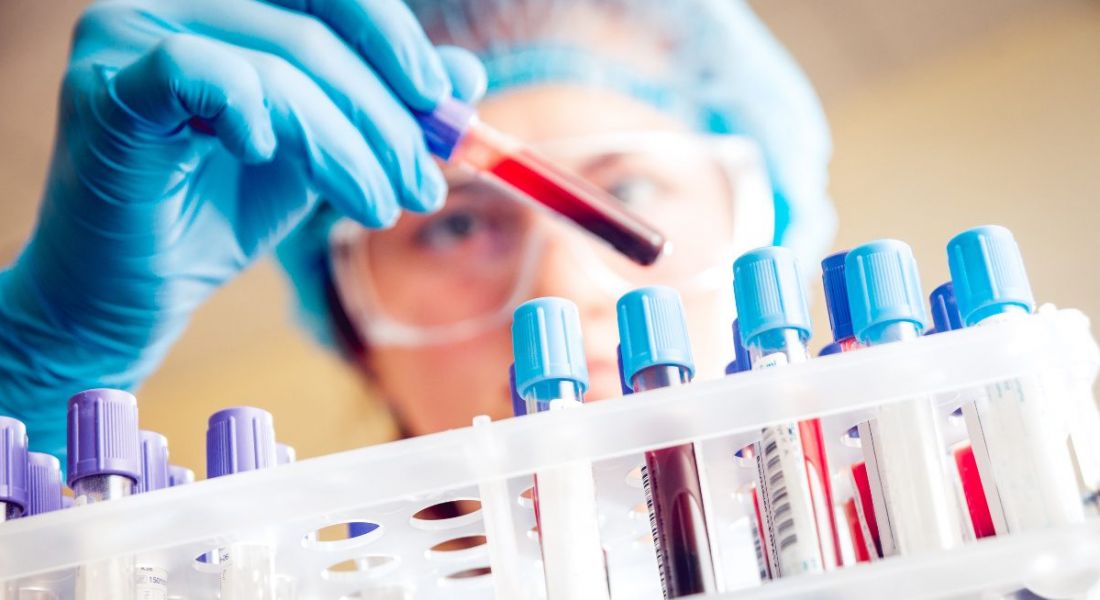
(813, 449)
(582, 203)
(859, 544)
(976, 503)
(862, 484)
(675, 499)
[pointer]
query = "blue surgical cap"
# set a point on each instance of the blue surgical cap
(711, 62)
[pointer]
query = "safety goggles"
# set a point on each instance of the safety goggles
(442, 278)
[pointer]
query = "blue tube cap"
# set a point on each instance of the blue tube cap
(883, 286)
(13, 462)
(945, 313)
(836, 296)
(547, 343)
(988, 273)
(653, 331)
(239, 439)
(767, 287)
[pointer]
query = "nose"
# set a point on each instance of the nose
(562, 272)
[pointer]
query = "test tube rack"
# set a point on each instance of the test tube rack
(490, 465)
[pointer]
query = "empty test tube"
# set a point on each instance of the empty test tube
(13, 468)
(150, 575)
(656, 352)
(178, 475)
(285, 454)
(237, 440)
(551, 374)
(104, 464)
(914, 507)
(793, 473)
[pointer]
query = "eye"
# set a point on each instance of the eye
(445, 231)
(635, 191)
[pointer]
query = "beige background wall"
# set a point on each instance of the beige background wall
(945, 114)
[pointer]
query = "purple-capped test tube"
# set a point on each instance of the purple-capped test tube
(178, 475)
(150, 574)
(104, 452)
(13, 468)
(242, 439)
(104, 464)
(285, 454)
(43, 483)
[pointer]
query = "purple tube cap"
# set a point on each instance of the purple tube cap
(239, 439)
(103, 435)
(444, 127)
(154, 462)
(178, 475)
(44, 483)
(13, 462)
(285, 454)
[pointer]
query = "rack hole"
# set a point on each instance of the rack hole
(634, 477)
(465, 542)
(533, 533)
(449, 514)
(210, 561)
(342, 535)
(361, 568)
(527, 497)
(639, 511)
(468, 574)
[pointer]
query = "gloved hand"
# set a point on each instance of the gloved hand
(192, 137)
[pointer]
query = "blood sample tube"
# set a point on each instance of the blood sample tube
(656, 353)
(793, 473)
(454, 133)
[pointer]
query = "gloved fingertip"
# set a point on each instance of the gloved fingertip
(469, 80)
(432, 189)
(262, 144)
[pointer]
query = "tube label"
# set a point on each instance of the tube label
(150, 583)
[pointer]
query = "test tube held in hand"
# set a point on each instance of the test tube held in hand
(792, 469)
(104, 462)
(454, 133)
(237, 440)
(656, 352)
(550, 374)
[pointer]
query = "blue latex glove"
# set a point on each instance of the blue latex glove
(145, 215)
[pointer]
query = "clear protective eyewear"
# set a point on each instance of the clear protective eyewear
(452, 275)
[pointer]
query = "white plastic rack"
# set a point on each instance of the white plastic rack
(490, 465)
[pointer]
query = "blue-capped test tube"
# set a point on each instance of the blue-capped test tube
(945, 310)
(104, 464)
(656, 353)
(551, 374)
(178, 475)
(1026, 471)
(914, 506)
(237, 440)
(793, 473)
(13, 469)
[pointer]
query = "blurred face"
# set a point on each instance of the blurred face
(467, 259)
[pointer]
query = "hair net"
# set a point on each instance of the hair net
(712, 62)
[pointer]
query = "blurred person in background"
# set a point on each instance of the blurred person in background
(196, 137)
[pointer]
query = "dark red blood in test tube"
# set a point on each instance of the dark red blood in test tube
(976, 503)
(677, 505)
(583, 203)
